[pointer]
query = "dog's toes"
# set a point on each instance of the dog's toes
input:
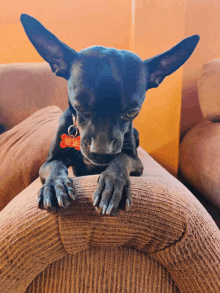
(106, 196)
(62, 197)
(56, 193)
(49, 198)
(111, 194)
(115, 199)
(121, 199)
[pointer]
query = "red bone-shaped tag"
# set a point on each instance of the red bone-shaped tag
(70, 141)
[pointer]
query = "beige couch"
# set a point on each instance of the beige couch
(167, 242)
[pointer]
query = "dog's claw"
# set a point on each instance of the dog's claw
(128, 204)
(104, 209)
(47, 203)
(60, 202)
(109, 210)
(72, 195)
(96, 200)
(39, 201)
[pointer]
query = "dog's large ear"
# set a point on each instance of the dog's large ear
(56, 53)
(166, 63)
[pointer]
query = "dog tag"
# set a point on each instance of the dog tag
(70, 141)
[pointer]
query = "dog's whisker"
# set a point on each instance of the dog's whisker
(79, 155)
(67, 149)
(76, 154)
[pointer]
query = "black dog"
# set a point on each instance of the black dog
(106, 91)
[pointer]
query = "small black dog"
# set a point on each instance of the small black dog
(106, 91)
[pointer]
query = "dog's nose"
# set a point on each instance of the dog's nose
(102, 146)
(101, 158)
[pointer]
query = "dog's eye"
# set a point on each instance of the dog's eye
(85, 114)
(130, 115)
(82, 111)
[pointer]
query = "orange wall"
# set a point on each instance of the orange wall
(203, 18)
(78, 23)
(159, 25)
(143, 26)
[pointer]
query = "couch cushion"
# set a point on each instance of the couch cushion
(26, 88)
(23, 149)
(200, 159)
(209, 90)
(165, 221)
(103, 270)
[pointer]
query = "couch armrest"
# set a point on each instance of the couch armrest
(29, 241)
(209, 89)
(165, 221)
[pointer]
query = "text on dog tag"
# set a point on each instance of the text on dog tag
(70, 141)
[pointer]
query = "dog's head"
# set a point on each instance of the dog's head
(106, 86)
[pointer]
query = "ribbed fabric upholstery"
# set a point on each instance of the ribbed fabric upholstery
(152, 224)
(29, 240)
(104, 270)
(23, 149)
(178, 240)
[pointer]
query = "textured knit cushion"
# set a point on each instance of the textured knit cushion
(79, 250)
(104, 270)
(200, 159)
(209, 90)
(23, 149)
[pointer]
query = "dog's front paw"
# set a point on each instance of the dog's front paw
(56, 193)
(112, 191)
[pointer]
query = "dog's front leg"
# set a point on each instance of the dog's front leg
(57, 190)
(114, 185)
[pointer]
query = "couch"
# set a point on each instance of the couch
(167, 242)
(199, 158)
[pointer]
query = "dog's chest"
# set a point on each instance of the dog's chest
(83, 167)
